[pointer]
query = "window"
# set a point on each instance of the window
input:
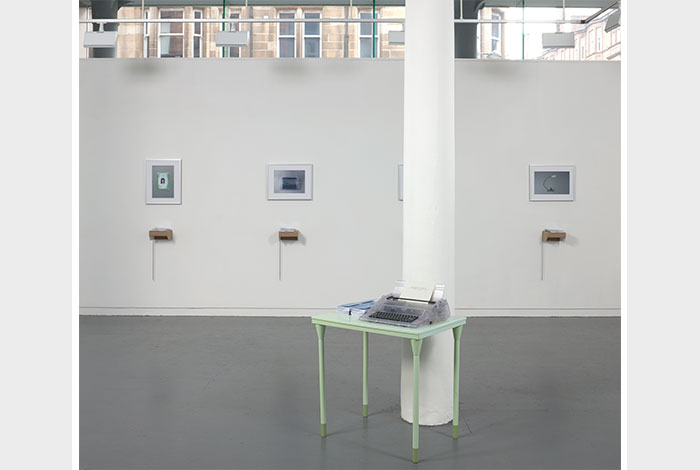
(365, 36)
(197, 35)
(172, 40)
(234, 51)
(146, 33)
(599, 39)
(496, 33)
(582, 49)
(312, 35)
(591, 41)
(286, 36)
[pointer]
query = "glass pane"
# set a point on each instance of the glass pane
(196, 46)
(171, 46)
(365, 28)
(235, 26)
(197, 26)
(234, 51)
(171, 28)
(312, 47)
(287, 29)
(286, 47)
(312, 29)
(365, 47)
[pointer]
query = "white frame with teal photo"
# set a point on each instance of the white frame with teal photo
(176, 181)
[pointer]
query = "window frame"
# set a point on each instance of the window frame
(495, 15)
(286, 36)
(160, 32)
(236, 14)
(146, 34)
(201, 31)
(361, 36)
(599, 39)
(310, 36)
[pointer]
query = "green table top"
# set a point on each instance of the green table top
(350, 322)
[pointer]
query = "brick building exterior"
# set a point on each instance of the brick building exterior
(326, 40)
(591, 43)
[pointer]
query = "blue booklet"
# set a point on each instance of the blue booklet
(355, 308)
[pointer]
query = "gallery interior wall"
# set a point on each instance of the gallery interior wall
(227, 119)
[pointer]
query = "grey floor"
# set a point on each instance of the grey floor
(239, 393)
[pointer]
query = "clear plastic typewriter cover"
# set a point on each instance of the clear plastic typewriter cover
(392, 309)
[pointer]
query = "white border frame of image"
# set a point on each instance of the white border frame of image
(177, 193)
(553, 197)
(308, 181)
(400, 181)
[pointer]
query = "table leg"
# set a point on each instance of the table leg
(457, 333)
(321, 331)
(415, 346)
(365, 391)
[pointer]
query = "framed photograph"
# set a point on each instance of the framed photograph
(163, 182)
(289, 181)
(401, 182)
(552, 183)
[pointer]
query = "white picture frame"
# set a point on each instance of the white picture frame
(290, 181)
(552, 182)
(401, 182)
(169, 189)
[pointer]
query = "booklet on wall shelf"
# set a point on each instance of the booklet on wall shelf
(355, 308)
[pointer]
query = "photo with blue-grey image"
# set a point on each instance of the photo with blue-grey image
(289, 181)
(552, 182)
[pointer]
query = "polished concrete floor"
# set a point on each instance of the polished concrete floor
(242, 393)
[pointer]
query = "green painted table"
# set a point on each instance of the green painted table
(415, 335)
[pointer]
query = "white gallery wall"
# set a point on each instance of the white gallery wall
(227, 119)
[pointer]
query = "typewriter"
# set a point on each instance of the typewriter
(404, 308)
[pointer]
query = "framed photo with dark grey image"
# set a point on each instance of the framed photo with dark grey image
(163, 181)
(552, 182)
(289, 181)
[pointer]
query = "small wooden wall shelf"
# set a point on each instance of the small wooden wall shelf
(289, 234)
(161, 234)
(553, 236)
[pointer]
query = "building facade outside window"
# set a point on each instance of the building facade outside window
(312, 35)
(317, 39)
(286, 37)
(197, 34)
(171, 41)
(365, 36)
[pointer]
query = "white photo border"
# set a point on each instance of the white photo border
(308, 169)
(177, 190)
(571, 169)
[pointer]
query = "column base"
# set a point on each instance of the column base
(415, 455)
(365, 409)
(323, 430)
(455, 432)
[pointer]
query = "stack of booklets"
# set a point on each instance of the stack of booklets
(355, 308)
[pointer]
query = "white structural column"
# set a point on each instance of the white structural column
(429, 196)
